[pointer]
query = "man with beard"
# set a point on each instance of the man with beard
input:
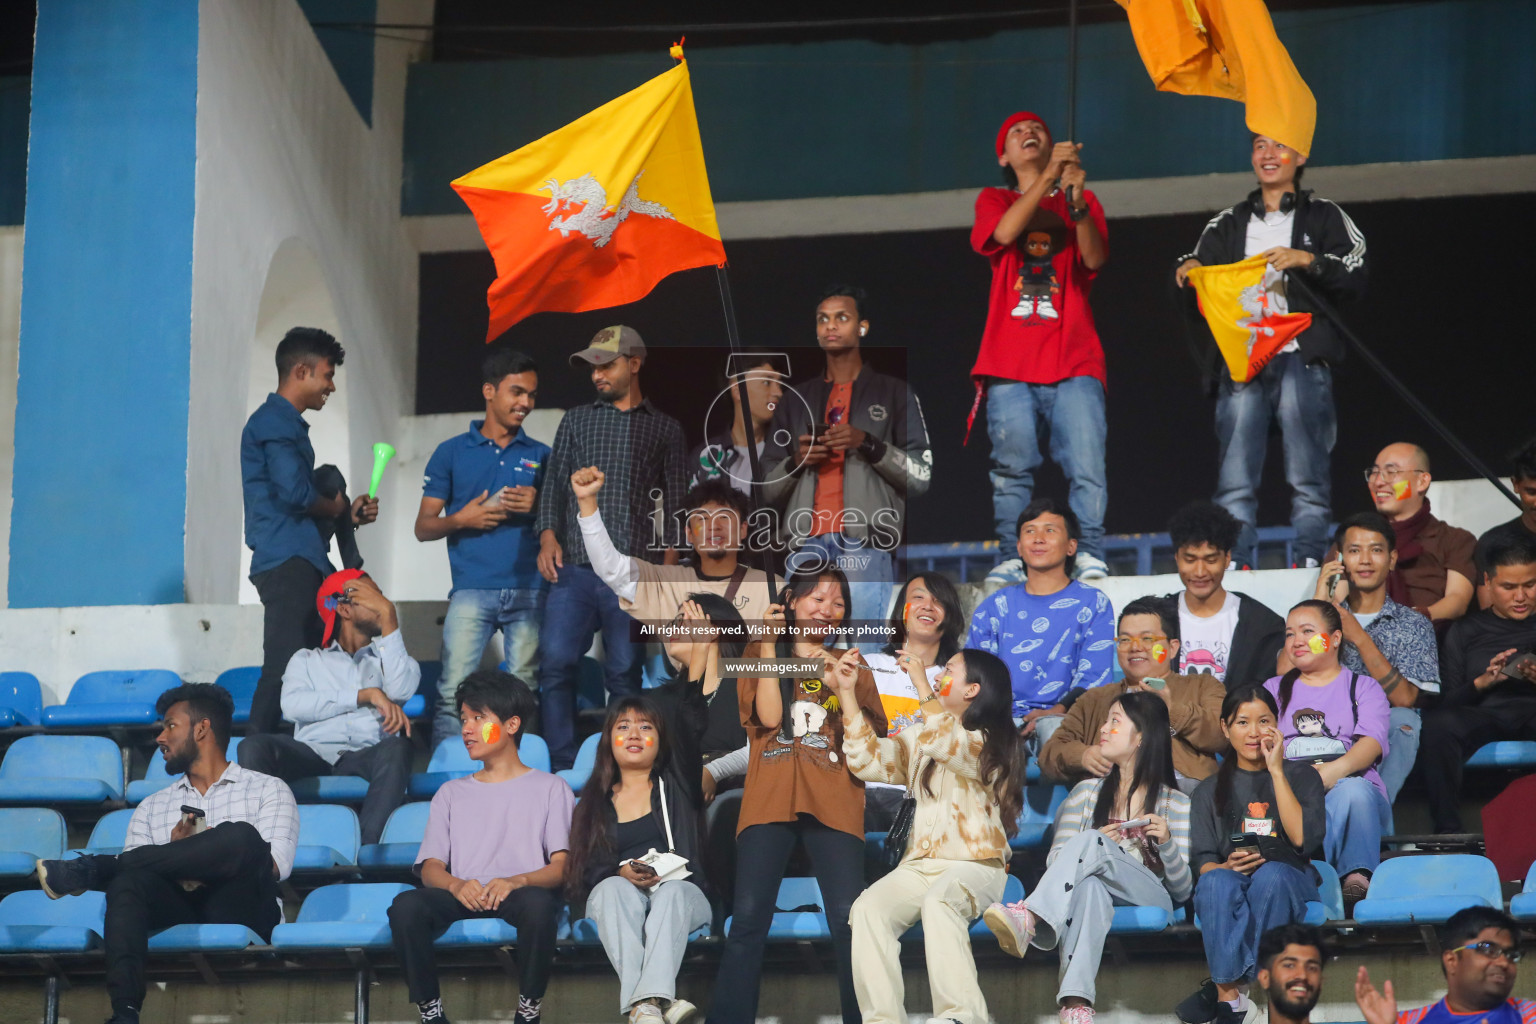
(220, 865)
(1480, 961)
(1291, 971)
(640, 451)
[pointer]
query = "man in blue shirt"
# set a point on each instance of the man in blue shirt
(1056, 635)
(284, 509)
(479, 493)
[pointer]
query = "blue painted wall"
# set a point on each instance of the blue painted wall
(101, 417)
(1416, 82)
(15, 101)
(349, 49)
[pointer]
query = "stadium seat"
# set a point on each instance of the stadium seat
(1522, 907)
(21, 699)
(1504, 754)
(396, 848)
(329, 836)
(417, 706)
(61, 770)
(1036, 821)
(109, 834)
(241, 684)
(341, 917)
(451, 761)
(1331, 907)
(1132, 920)
(791, 924)
(155, 776)
(203, 938)
(1428, 889)
(586, 759)
(329, 789)
(28, 835)
(30, 922)
(111, 698)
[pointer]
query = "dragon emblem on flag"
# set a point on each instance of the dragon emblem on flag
(593, 218)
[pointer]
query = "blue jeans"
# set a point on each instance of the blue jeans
(869, 571)
(579, 605)
(473, 615)
(1357, 817)
(1300, 397)
(1403, 750)
(1070, 415)
(1235, 909)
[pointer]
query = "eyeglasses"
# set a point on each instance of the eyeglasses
(1387, 474)
(1124, 642)
(1492, 951)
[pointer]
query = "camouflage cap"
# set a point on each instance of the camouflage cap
(609, 344)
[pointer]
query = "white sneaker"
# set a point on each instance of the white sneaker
(1089, 568)
(1006, 573)
(646, 1012)
(1013, 924)
(679, 1010)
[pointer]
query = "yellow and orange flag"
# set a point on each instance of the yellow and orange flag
(1236, 304)
(596, 213)
(1227, 49)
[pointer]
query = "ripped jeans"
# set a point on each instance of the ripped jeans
(946, 896)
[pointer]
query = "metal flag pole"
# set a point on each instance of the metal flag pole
(1072, 70)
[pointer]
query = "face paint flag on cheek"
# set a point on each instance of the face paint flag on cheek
(1285, 158)
(1160, 653)
(490, 733)
(1401, 489)
(945, 682)
(1318, 643)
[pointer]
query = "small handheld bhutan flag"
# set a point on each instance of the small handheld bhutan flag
(1235, 304)
(595, 214)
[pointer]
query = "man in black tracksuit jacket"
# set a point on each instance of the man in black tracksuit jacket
(1300, 235)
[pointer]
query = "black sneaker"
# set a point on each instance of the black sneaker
(1201, 1007)
(529, 1010)
(124, 1017)
(67, 877)
(432, 1012)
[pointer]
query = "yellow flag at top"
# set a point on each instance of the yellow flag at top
(1227, 49)
(596, 213)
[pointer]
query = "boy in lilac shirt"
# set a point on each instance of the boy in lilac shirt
(495, 846)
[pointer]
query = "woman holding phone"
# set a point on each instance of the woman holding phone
(1122, 840)
(799, 791)
(1254, 827)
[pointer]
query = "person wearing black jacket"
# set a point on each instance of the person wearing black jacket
(643, 796)
(1300, 235)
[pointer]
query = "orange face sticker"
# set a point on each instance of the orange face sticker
(1401, 489)
(1160, 653)
(1285, 158)
(490, 732)
(650, 741)
(945, 682)
(1318, 643)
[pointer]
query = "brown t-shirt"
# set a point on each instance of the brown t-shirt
(660, 590)
(1446, 547)
(808, 774)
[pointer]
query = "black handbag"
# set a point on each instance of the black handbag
(900, 835)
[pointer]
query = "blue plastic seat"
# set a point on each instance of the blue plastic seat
(790, 924)
(112, 698)
(1133, 920)
(1331, 907)
(576, 775)
(241, 684)
(1038, 818)
(1522, 907)
(156, 778)
(1504, 754)
(431, 675)
(396, 848)
(329, 836)
(110, 833)
(1428, 889)
(451, 761)
(27, 835)
(203, 938)
(61, 770)
(32, 923)
(342, 917)
(330, 789)
(21, 699)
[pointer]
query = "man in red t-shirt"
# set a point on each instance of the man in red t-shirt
(1041, 365)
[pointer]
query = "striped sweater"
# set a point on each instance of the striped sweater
(1076, 815)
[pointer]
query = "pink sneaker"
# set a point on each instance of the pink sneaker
(1077, 1015)
(1013, 924)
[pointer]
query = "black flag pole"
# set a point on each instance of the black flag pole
(1072, 70)
(1409, 398)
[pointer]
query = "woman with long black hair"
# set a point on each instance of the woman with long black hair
(1122, 840)
(799, 792)
(963, 766)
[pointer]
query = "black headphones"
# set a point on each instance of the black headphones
(1288, 202)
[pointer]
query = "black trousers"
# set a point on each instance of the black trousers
(1451, 735)
(386, 765)
(762, 854)
(289, 623)
(144, 895)
(418, 917)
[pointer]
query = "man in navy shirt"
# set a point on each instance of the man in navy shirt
(493, 550)
(284, 510)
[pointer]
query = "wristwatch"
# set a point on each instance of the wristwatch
(871, 447)
(1077, 213)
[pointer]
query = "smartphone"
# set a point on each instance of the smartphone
(1135, 823)
(1244, 840)
(821, 432)
(1512, 668)
(1154, 683)
(494, 499)
(198, 815)
(642, 868)
(1333, 582)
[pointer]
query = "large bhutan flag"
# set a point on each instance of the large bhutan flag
(596, 213)
(1236, 305)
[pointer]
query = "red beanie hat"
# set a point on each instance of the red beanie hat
(1013, 119)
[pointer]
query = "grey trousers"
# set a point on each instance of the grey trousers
(1074, 905)
(645, 933)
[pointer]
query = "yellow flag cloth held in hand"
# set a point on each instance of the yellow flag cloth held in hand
(595, 214)
(1233, 301)
(1227, 49)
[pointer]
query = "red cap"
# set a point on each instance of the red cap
(325, 601)
(1013, 119)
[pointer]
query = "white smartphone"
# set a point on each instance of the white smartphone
(1135, 823)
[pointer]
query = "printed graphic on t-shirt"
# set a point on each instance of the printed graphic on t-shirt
(1210, 660)
(812, 718)
(1258, 822)
(1313, 737)
(1038, 288)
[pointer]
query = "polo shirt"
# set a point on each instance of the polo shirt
(459, 470)
(277, 469)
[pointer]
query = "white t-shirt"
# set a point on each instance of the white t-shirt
(898, 694)
(1274, 229)
(1205, 645)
